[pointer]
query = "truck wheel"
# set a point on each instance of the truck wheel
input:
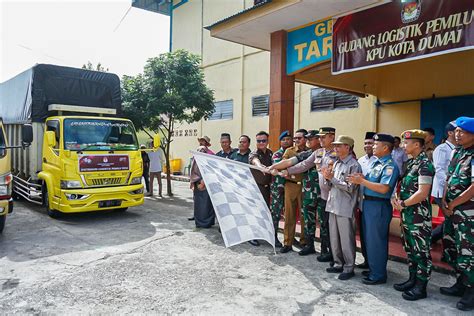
(3, 219)
(52, 213)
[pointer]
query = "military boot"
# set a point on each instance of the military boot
(407, 285)
(417, 292)
(467, 301)
(456, 290)
(309, 247)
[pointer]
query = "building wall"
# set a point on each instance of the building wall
(240, 73)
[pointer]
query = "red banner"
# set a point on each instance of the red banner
(103, 163)
(401, 31)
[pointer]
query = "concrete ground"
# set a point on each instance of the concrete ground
(151, 260)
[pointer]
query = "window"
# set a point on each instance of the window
(260, 105)
(326, 99)
(54, 126)
(223, 110)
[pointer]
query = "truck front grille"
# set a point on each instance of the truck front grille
(106, 181)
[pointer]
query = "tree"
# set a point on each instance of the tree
(98, 67)
(171, 90)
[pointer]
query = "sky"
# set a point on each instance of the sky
(73, 32)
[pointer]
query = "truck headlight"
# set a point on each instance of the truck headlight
(71, 196)
(136, 180)
(6, 181)
(70, 184)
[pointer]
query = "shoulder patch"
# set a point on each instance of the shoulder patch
(389, 170)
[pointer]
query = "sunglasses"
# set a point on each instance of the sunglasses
(261, 141)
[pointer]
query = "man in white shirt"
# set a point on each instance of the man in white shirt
(365, 162)
(441, 158)
(156, 158)
(399, 155)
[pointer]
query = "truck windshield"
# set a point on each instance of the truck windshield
(97, 134)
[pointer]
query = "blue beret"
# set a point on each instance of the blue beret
(384, 138)
(466, 123)
(283, 135)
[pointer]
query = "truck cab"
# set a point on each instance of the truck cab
(6, 205)
(90, 163)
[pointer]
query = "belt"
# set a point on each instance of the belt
(374, 198)
(292, 181)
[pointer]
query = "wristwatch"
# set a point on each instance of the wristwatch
(402, 203)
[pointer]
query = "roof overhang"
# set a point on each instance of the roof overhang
(253, 27)
(158, 6)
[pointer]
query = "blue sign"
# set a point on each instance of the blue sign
(308, 45)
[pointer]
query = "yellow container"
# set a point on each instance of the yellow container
(175, 165)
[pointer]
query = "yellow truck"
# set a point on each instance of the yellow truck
(84, 157)
(6, 178)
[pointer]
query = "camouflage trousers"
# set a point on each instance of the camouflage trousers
(310, 207)
(416, 238)
(323, 218)
(458, 244)
(277, 203)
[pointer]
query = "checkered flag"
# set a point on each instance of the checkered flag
(240, 208)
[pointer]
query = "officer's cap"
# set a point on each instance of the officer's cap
(343, 139)
(283, 135)
(414, 134)
(312, 133)
(384, 138)
(326, 130)
(466, 123)
(369, 135)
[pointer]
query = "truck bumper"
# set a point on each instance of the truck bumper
(4, 207)
(98, 199)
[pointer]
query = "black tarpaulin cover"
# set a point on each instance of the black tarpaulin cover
(26, 97)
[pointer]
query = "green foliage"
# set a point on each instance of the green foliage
(98, 67)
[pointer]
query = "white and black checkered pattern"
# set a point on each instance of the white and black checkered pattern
(240, 208)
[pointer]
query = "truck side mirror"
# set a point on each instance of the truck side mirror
(27, 135)
(156, 141)
(50, 138)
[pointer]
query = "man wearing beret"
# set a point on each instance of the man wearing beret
(378, 184)
(277, 197)
(341, 205)
(415, 214)
(458, 207)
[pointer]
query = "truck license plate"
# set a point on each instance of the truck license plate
(110, 203)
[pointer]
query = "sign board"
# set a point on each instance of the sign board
(89, 163)
(308, 45)
(401, 31)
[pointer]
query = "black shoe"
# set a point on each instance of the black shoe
(191, 218)
(467, 301)
(326, 257)
(286, 249)
(307, 250)
(456, 290)
(417, 292)
(346, 275)
(254, 242)
(297, 244)
(334, 270)
(369, 281)
(365, 273)
(363, 265)
(407, 285)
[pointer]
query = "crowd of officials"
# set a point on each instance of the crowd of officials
(318, 173)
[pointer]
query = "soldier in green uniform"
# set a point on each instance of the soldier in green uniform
(415, 210)
(277, 188)
(458, 207)
(311, 191)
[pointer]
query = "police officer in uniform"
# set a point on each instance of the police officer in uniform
(458, 207)
(415, 211)
(377, 209)
(277, 196)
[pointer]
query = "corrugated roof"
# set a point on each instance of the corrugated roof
(261, 4)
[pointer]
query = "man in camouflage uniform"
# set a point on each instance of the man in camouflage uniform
(277, 197)
(415, 211)
(311, 191)
(458, 207)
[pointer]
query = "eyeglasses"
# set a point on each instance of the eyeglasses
(261, 141)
